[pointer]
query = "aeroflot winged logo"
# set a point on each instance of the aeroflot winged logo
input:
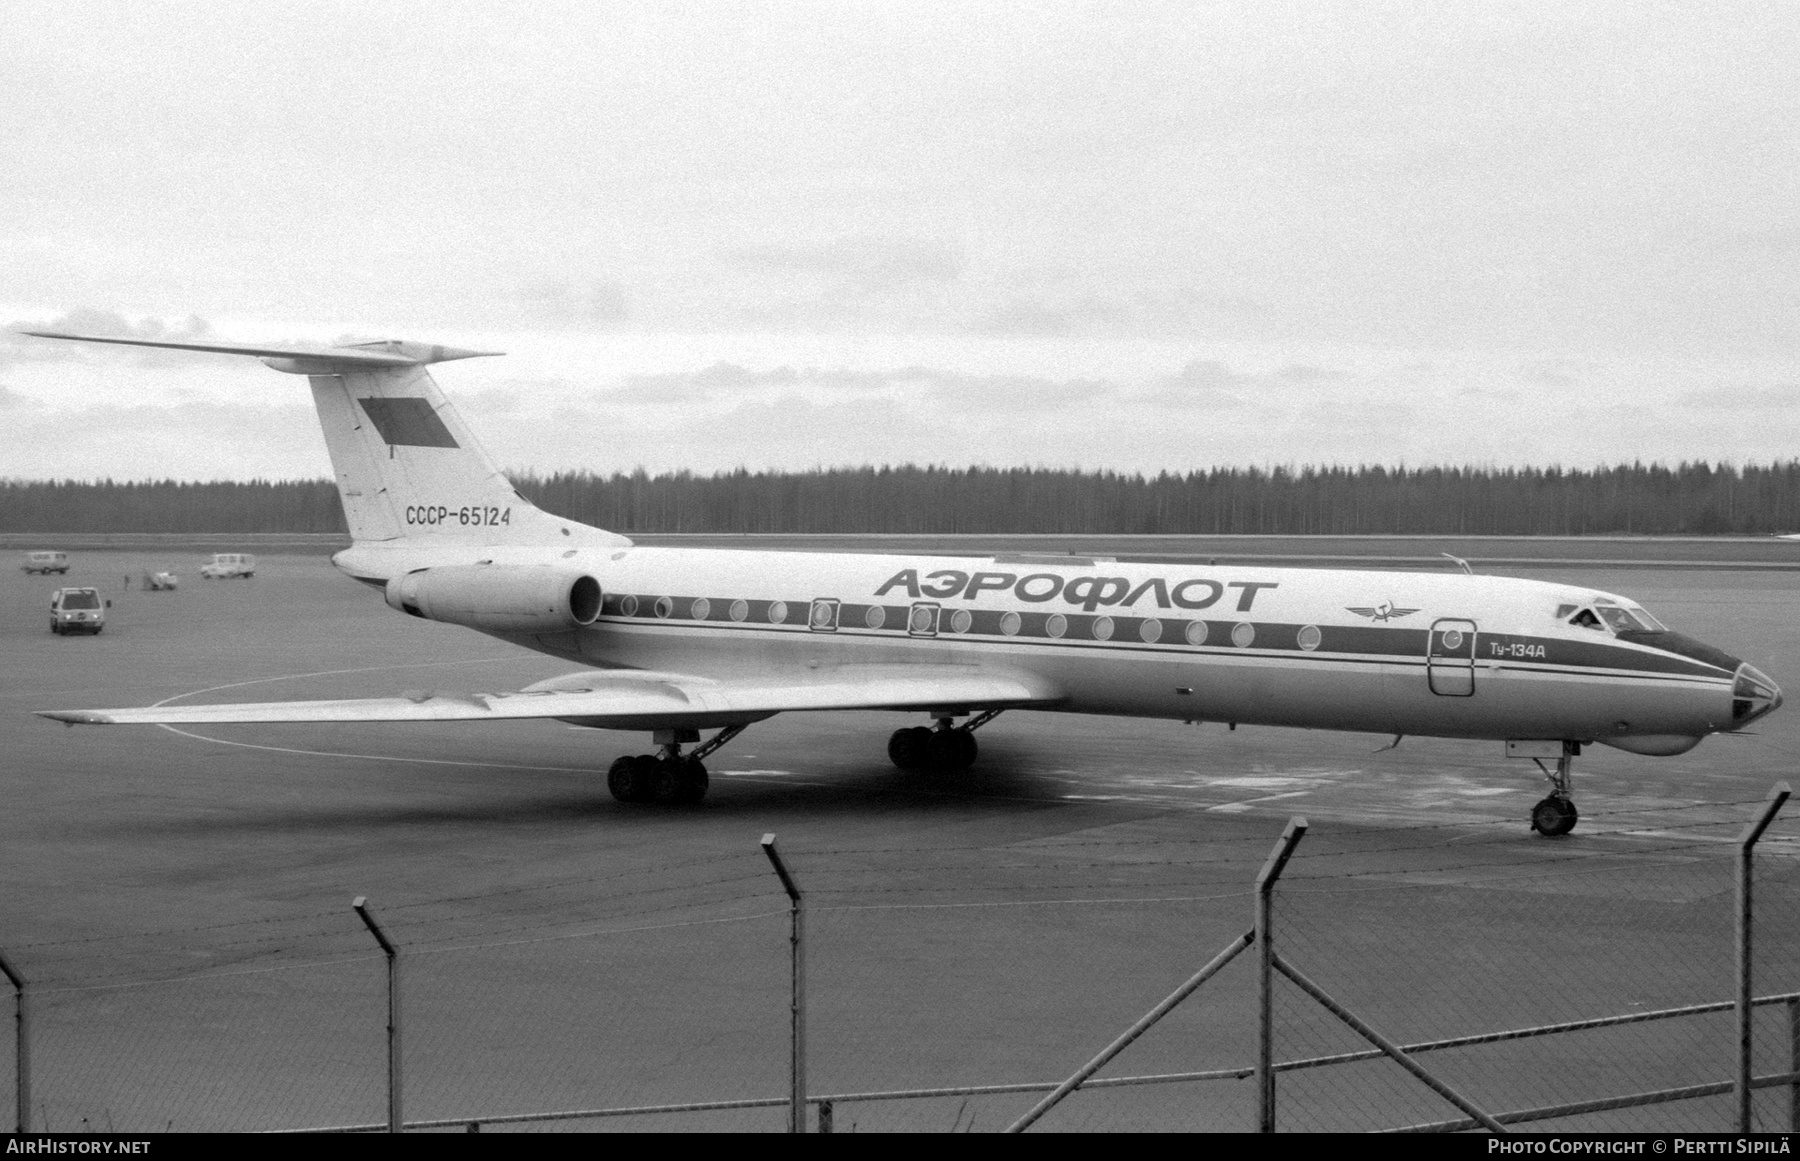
(1385, 611)
(1088, 592)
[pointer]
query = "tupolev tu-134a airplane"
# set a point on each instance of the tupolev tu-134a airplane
(683, 640)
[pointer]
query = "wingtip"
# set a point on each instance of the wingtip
(77, 717)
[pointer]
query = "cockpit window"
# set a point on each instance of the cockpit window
(1605, 614)
(1617, 619)
(1564, 610)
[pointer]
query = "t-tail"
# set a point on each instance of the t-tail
(408, 469)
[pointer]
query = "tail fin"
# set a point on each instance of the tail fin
(407, 466)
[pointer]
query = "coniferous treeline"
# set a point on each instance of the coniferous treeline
(169, 506)
(1692, 499)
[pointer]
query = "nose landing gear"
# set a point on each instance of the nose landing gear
(1556, 815)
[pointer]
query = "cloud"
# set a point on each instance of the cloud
(16, 348)
(13, 401)
(1027, 316)
(1145, 310)
(1209, 385)
(189, 441)
(495, 400)
(600, 302)
(1205, 384)
(907, 385)
(1300, 373)
(720, 380)
(1015, 392)
(1555, 372)
(863, 265)
(1739, 398)
(1505, 395)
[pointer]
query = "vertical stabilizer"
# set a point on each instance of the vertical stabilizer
(407, 467)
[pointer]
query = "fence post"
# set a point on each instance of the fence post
(1778, 794)
(395, 1122)
(1793, 1015)
(22, 1049)
(796, 909)
(1265, 971)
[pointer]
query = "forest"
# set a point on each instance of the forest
(1645, 499)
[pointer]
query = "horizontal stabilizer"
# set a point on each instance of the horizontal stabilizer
(628, 698)
(387, 353)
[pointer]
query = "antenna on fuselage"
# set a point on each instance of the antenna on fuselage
(1463, 564)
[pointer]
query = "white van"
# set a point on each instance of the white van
(228, 564)
(46, 562)
(77, 611)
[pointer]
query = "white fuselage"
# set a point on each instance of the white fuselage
(1439, 654)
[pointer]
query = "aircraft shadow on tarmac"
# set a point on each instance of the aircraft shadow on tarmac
(581, 801)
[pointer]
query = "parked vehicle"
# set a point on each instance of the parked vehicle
(229, 564)
(77, 611)
(161, 582)
(45, 562)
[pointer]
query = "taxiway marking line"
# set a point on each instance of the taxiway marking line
(333, 673)
(372, 757)
(1247, 803)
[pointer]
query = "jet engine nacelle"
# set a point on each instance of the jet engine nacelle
(499, 598)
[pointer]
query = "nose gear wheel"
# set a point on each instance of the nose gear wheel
(1556, 815)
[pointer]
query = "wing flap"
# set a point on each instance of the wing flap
(628, 697)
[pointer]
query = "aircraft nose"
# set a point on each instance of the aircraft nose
(1753, 696)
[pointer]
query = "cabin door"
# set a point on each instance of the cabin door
(1450, 661)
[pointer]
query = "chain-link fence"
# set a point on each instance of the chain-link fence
(1447, 940)
(951, 987)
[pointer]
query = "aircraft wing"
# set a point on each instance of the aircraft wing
(630, 699)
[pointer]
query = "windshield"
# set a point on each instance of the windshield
(85, 599)
(1608, 614)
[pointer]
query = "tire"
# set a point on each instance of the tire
(951, 749)
(694, 782)
(621, 779)
(1554, 817)
(666, 781)
(909, 748)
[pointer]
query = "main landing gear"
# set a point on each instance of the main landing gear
(667, 776)
(1556, 814)
(939, 747)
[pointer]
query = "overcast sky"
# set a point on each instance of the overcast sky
(1134, 236)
